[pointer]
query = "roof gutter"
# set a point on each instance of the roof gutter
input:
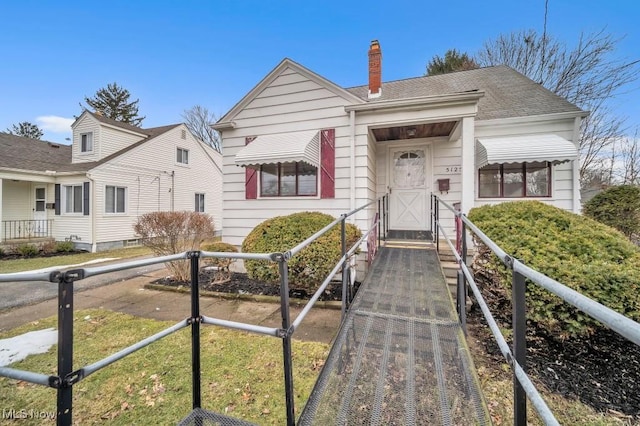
(418, 102)
(224, 125)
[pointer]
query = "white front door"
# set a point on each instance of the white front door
(39, 226)
(408, 203)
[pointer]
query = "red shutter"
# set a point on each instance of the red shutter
(251, 177)
(327, 163)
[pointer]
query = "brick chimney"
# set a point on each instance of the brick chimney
(375, 70)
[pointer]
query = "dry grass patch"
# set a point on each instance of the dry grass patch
(242, 373)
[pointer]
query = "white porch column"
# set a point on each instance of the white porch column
(468, 163)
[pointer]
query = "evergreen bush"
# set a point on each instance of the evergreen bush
(64, 247)
(307, 269)
(27, 250)
(618, 207)
(587, 256)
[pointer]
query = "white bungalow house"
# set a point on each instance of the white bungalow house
(299, 142)
(93, 191)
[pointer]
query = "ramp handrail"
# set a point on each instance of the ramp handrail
(516, 358)
(66, 376)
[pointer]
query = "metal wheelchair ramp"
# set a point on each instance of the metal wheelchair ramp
(400, 357)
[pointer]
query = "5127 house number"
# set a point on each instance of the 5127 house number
(452, 169)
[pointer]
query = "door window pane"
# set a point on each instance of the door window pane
(408, 169)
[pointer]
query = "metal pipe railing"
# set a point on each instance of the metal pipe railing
(517, 359)
(66, 278)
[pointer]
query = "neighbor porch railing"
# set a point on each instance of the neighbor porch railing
(516, 357)
(26, 229)
(67, 376)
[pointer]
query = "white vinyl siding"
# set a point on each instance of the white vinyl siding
(157, 186)
(291, 103)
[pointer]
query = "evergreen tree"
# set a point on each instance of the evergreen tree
(113, 102)
(452, 61)
(26, 129)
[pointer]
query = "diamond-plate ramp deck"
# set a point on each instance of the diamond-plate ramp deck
(400, 357)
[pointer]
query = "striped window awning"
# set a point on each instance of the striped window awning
(520, 149)
(281, 148)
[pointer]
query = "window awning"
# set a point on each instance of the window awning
(520, 149)
(281, 148)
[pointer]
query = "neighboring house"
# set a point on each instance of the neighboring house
(299, 142)
(93, 191)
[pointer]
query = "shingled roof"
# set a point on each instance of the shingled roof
(507, 93)
(17, 152)
(21, 153)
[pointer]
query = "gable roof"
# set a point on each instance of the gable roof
(269, 78)
(151, 132)
(507, 93)
(17, 152)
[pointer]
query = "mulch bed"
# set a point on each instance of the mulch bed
(240, 283)
(601, 371)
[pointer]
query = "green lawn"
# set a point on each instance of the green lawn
(20, 265)
(242, 373)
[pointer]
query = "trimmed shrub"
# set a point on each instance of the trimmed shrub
(27, 250)
(174, 232)
(618, 207)
(307, 269)
(223, 272)
(64, 247)
(585, 255)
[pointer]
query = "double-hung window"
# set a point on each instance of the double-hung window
(115, 197)
(288, 180)
(86, 142)
(182, 156)
(515, 180)
(199, 203)
(73, 199)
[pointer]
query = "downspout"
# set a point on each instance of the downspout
(92, 189)
(352, 159)
(577, 204)
(173, 189)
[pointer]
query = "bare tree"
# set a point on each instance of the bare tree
(199, 120)
(631, 160)
(587, 75)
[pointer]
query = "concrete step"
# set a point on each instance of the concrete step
(408, 244)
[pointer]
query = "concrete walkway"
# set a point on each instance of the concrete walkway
(131, 297)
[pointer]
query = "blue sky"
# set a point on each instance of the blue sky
(176, 54)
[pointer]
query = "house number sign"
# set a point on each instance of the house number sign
(452, 169)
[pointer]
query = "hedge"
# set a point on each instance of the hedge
(587, 256)
(307, 269)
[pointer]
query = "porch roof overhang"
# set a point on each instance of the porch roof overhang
(520, 149)
(281, 148)
(418, 102)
